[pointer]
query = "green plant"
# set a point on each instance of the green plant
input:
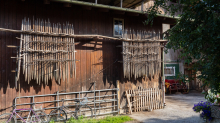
(212, 97)
(108, 119)
(196, 34)
(52, 121)
(182, 78)
(205, 108)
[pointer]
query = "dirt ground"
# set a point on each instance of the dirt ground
(178, 110)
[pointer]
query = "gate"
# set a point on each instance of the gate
(102, 102)
(142, 99)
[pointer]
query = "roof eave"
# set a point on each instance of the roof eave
(111, 7)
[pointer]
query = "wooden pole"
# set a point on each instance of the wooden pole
(118, 93)
(77, 36)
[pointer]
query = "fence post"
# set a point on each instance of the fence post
(94, 101)
(99, 101)
(118, 96)
(32, 102)
(58, 103)
(15, 103)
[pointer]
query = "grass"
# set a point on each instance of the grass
(108, 119)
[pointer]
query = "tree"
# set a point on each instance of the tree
(196, 34)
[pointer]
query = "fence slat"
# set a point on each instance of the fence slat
(141, 99)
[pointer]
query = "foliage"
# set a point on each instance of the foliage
(205, 108)
(108, 119)
(213, 98)
(196, 34)
(182, 77)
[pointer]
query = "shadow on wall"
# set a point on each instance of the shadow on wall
(104, 54)
(104, 57)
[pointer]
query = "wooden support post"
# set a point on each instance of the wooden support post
(129, 102)
(95, 45)
(121, 3)
(96, 1)
(118, 82)
(142, 5)
(94, 99)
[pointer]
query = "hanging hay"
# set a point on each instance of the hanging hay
(43, 57)
(141, 59)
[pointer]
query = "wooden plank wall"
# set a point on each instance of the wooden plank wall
(96, 63)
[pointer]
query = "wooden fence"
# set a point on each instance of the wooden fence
(142, 99)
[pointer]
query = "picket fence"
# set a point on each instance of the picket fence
(144, 99)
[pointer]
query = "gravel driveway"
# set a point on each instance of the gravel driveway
(178, 110)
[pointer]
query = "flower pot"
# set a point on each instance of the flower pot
(215, 111)
(214, 120)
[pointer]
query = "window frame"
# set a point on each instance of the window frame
(119, 19)
(170, 74)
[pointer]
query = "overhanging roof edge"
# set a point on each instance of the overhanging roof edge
(111, 7)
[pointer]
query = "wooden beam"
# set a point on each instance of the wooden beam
(13, 71)
(99, 37)
(132, 14)
(46, 1)
(121, 3)
(87, 7)
(118, 12)
(111, 7)
(12, 46)
(67, 5)
(129, 103)
(103, 10)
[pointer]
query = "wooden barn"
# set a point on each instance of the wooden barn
(106, 40)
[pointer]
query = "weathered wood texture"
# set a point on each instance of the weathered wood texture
(98, 60)
(45, 57)
(141, 59)
(144, 99)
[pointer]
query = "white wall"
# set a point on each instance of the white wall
(172, 56)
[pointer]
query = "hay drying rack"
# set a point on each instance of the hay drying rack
(48, 50)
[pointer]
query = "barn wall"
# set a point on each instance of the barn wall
(96, 64)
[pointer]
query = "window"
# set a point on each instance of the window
(169, 71)
(118, 26)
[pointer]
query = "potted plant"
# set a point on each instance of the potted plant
(210, 109)
(205, 108)
(215, 99)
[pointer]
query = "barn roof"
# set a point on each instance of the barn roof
(127, 5)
